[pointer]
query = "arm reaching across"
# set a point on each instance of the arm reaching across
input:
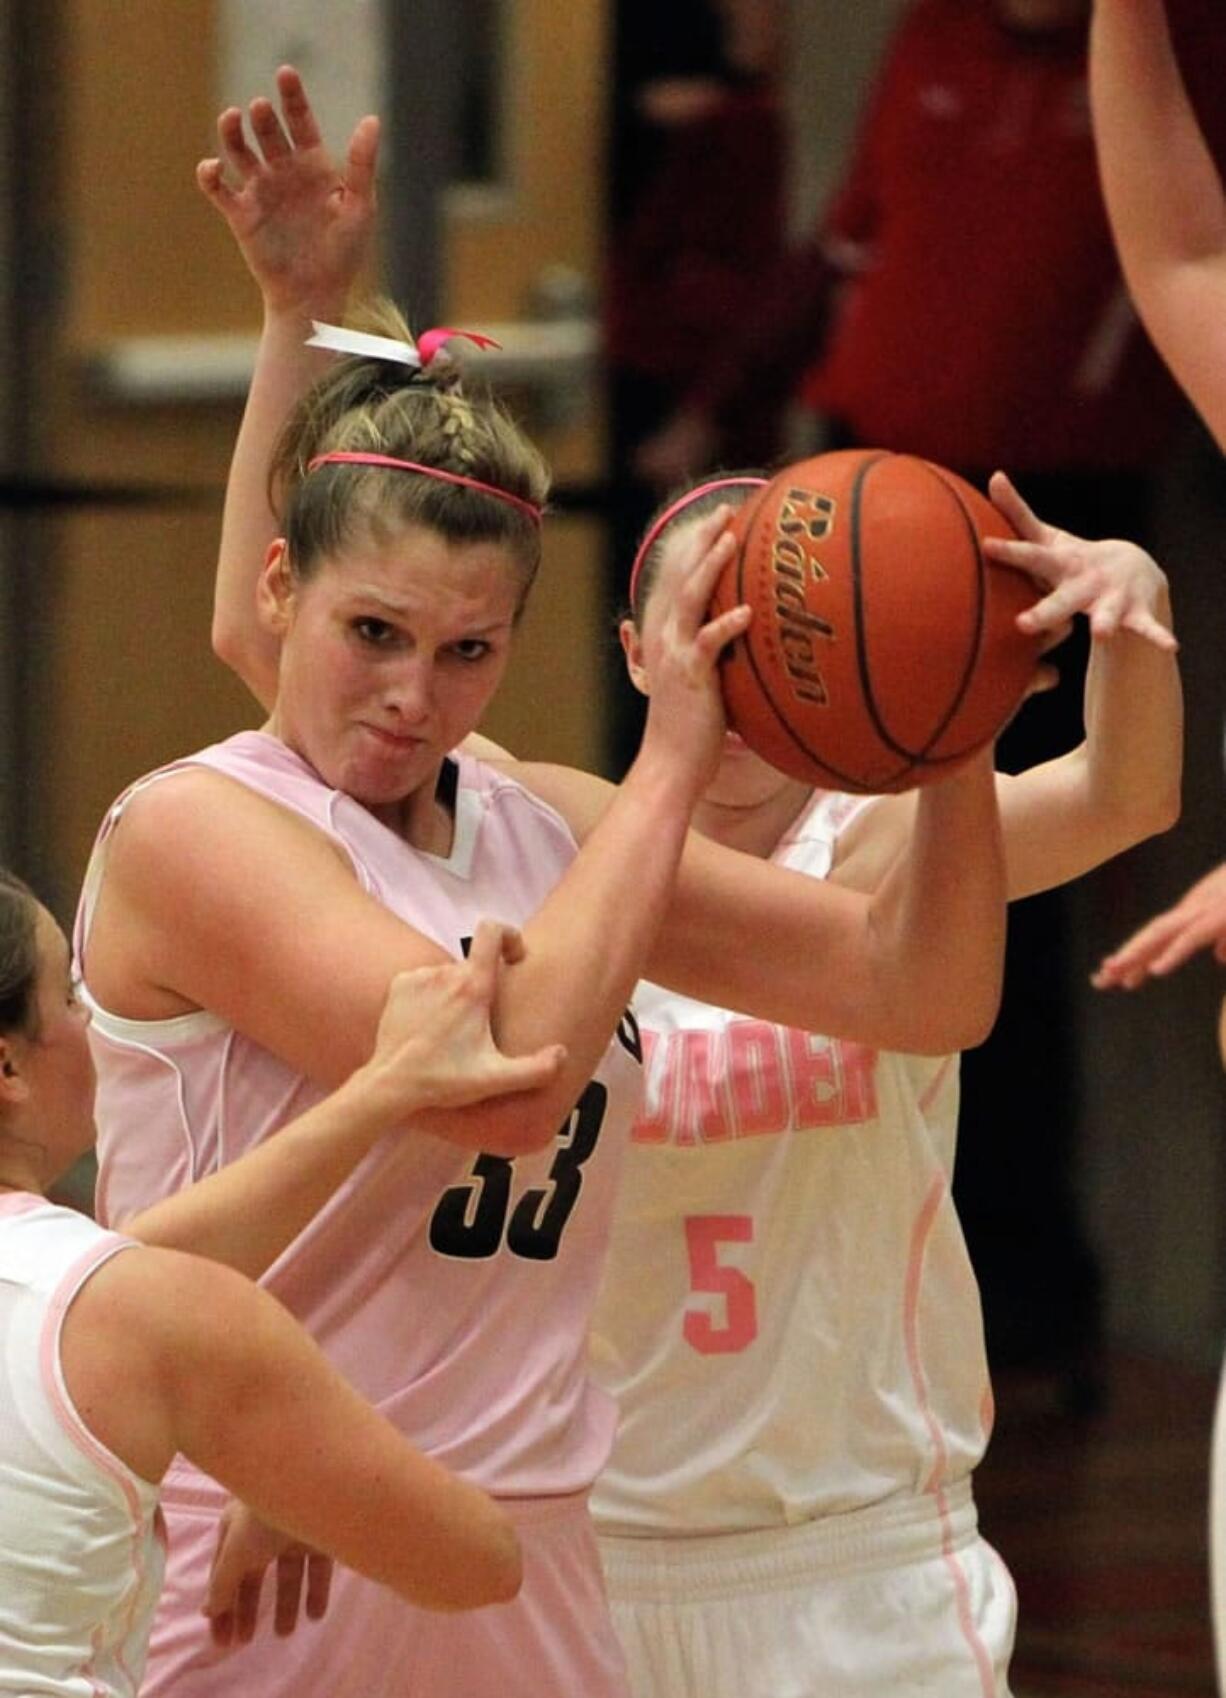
(433, 1049)
(216, 1369)
(1164, 196)
(304, 227)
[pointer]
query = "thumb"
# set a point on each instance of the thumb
(529, 1072)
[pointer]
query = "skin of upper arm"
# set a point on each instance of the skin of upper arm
(1055, 828)
(1052, 830)
(254, 1402)
(214, 897)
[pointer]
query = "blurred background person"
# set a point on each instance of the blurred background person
(696, 176)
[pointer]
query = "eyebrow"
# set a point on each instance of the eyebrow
(401, 610)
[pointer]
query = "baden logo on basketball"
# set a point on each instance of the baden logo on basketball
(805, 517)
(884, 649)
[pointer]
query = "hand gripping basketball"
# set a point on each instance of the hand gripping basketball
(884, 649)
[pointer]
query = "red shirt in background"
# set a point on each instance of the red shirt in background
(986, 322)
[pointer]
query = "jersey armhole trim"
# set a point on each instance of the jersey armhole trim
(55, 1386)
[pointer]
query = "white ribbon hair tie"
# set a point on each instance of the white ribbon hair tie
(341, 341)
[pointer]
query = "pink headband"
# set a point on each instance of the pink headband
(344, 459)
(679, 506)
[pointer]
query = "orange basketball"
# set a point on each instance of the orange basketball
(884, 649)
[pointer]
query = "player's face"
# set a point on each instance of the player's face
(389, 657)
(53, 1063)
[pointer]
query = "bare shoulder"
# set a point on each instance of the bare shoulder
(196, 813)
(197, 855)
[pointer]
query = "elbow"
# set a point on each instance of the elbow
(521, 1133)
(1136, 818)
(1166, 809)
(226, 639)
(950, 1027)
(506, 1568)
(494, 1574)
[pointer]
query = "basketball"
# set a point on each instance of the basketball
(884, 649)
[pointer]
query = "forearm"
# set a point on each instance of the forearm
(249, 1211)
(1164, 196)
(937, 924)
(1134, 729)
(285, 369)
(1162, 188)
(258, 1407)
(586, 948)
(914, 967)
(1119, 786)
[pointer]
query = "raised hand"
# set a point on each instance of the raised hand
(1114, 583)
(245, 1548)
(303, 225)
(1196, 922)
(434, 1047)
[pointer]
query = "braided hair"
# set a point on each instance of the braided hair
(366, 405)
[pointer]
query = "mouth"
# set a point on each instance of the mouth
(401, 742)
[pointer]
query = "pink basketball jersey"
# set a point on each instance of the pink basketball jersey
(809, 1340)
(453, 1290)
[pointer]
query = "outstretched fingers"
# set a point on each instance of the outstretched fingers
(1157, 949)
(266, 127)
(1142, 623)
(362, 157)
(1009, 501)
(1197, 922)
(296, 110)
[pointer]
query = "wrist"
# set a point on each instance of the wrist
(292, 319)
(666, 779)
(372, 1101)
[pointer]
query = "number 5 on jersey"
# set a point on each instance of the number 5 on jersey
(704, 1329)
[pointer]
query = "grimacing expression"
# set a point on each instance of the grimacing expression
(390, 655)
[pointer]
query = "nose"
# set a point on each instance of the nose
(410, 693)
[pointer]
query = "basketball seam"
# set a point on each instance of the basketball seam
(921, 755)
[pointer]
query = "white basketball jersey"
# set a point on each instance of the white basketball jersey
(81, 1549)
(789, 1321)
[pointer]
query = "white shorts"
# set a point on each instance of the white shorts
(898, 1601)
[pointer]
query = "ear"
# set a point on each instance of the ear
(13, 1086)
(274, 595)
(632, 648)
